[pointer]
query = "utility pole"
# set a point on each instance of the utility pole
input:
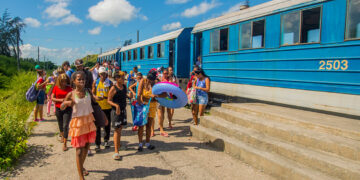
(138, 35)
(38, 55)
(44, 64)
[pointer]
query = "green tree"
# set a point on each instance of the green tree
(10, 33)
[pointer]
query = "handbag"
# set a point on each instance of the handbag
(140, 113)
(191, 94)
(99, 115)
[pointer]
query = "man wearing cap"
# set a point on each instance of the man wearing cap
(100, 89)
(66, 66)
(88, 76)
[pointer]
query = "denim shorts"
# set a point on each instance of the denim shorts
(202, 99)
(41, 98)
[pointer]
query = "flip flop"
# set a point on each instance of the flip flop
(116, 156)
(164, 134)
(85, 172)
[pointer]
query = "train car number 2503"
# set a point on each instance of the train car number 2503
(334, 65)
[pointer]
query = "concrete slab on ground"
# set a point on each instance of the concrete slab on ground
(179, 156)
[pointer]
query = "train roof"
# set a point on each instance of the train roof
(109, 52)
(271, 7)
(156, 39)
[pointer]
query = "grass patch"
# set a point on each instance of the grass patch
(14, 111)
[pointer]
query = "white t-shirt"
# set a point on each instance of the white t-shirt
(95, 74)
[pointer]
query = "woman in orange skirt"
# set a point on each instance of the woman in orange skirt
(82, 127)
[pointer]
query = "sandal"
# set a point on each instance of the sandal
(170, 126)
(164, 134)
(85, 172)
(65, 148)
(140, 149)
(116, 156)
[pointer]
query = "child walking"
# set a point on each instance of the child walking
(117, 99)
(40, 85)
(82, 127)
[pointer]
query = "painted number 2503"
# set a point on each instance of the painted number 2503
(333, 65)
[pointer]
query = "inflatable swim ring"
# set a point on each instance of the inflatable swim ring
(176, 97)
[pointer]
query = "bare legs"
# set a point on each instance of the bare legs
(117, 137)
(202, 109)
(148, 129)
(38, 110)
(170, 113)
(161, 112)
(80, 159)
(197, 109)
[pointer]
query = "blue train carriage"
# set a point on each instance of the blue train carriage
(298, 52)
(109, 56)
(170, 49)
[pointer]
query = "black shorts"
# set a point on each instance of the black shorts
(118, 120)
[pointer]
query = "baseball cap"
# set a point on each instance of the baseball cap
(78, 62)
(102, 70)
(37, 67)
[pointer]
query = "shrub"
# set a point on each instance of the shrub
(14, 111)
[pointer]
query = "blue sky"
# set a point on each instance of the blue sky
(70, 29)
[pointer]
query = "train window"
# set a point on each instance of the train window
(142, 53)
(258, 34)
(301, 27)
(129, 55)
(245, 36)
(214, 40)
(224, 34)
(290, 28)
(353, 20)
(150, 52)
(310, 25)
(219, 40)
(135, 54)
(252, 34)
(124, 56)
(161, 49)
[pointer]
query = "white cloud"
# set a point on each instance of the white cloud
(32, 22)
(57, 10)
(70, 54)
(202, 8)
(143, 17)
(59, 14)
(171, 26)
(72, 19)
(95, 31)
(177, 1)
(113, 12)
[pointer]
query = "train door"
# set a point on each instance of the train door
(197, 47)
(171, 53)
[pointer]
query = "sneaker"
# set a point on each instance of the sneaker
(140, 148)
(151, 147)
(89, 153)
(97, 148)
(36, 120)
(41, 119)
(106, 144)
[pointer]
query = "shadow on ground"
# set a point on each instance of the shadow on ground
(136, 172)
(34, 156)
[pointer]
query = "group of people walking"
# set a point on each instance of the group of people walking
(76, 93)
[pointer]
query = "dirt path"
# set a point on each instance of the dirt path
(177, 157)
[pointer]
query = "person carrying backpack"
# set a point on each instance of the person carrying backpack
(40, 100)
